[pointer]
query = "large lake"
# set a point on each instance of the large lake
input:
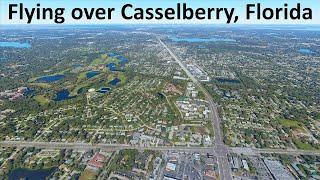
(30, 174)
(194, 40)
(49, 79)
(14, 44)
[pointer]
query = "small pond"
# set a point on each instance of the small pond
(92, 74)
(29, 174)
(115, 81)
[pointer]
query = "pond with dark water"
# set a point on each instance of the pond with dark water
(50, 79)
(104, 90)
(63, 95)
(29, 174)
(92, 74)
(115, 81)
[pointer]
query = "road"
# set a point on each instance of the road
(110, 147)
(257, 151)
(114, 147)
(220, 149)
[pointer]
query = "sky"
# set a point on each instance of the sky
(240, 10)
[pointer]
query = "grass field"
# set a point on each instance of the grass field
(104, 59)
(42, 85)
(98, 61)
(75, 90)
(87, 175)
(82, 75)
(291, 123)
(41, 100)
(302, 145)
(122, 77)
(110, 77)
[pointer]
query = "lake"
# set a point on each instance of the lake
(63, 95)
(122, 62)
(306, 51)
(49, 79)
(115, 81)
(195, 40)
(14, 44)
(92, 74)
(30, 174)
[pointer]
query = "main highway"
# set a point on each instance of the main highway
(221, 151)
(108, 147)
(114, 147)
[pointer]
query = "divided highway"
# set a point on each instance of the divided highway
(113, 147)
(221, 151)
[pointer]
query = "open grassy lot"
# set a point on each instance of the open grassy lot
(87, 175)
(291, 123)
(42, 85)
(302, 145)
(42, 100)
(103, 60)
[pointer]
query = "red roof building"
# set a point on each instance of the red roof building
(97, 160)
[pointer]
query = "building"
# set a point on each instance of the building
(277, 170)
(170, 167)
(245, 165)
(97, 161)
